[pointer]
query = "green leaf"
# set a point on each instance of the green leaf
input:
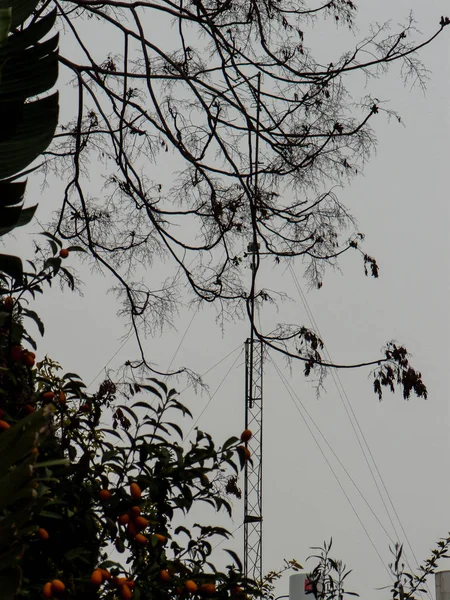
(21, 10)
(15, 216)
(160, 383)
(35, 129)
(53, 262)
(177, 429)
(130, 412)
(230, 442)
(34, 316)
(30, 71)
(236, 559)
(150, 388)
(51, 237)
(12, 192)
(142, 404)
(29, 36)
(71, 376)
(12, 266)
(5, 24)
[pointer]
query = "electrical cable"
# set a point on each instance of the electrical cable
(183, 337)
(294, 397)
(112, 357)
(215, 392)
(286, 384)
(349, 409)
(341, 392)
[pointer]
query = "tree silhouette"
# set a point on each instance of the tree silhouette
(255, 133)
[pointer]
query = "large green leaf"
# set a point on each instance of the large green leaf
(28, 67)
(12, 266)
(5, 24)
(15, 216)
(34, 133)
(11, 193)
(30, 72)
(21, 10)
(29, 36)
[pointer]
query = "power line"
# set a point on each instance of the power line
(296, 401)
(112, 357)
(183, 337)
(215, 392)
(349, 409)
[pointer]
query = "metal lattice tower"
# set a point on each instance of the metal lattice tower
(253, 472)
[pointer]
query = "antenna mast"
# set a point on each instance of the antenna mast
(253, 472)
(253, 397)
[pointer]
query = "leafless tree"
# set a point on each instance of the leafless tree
(259, 135)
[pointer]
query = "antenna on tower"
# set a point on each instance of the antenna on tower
(253, 518)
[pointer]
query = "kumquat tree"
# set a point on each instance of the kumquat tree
(90, 507)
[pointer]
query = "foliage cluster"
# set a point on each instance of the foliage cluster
(109, 476)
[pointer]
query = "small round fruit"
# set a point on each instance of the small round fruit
(28, 409)
(106, 575)
(135, 491)
(47, 397)
(123, 519)
(97, 578)
(8, 302)
(130, 583)
(43, 534)
(237, 591)
(28, 358)
(135, 511)
(4, 425)
(207, 589)
(58, 586)
(86, 407)
(61, 397)
(164, 575)
(141, 539)
(104, 495)
(2, 413)
(141, 523)
(246, 435)
(161, 538)
(63, 253)
(125, 592)
(47, 590)
(191, 586)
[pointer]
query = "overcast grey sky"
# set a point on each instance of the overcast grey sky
(401, 204)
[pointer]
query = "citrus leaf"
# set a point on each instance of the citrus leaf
(12, 266)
